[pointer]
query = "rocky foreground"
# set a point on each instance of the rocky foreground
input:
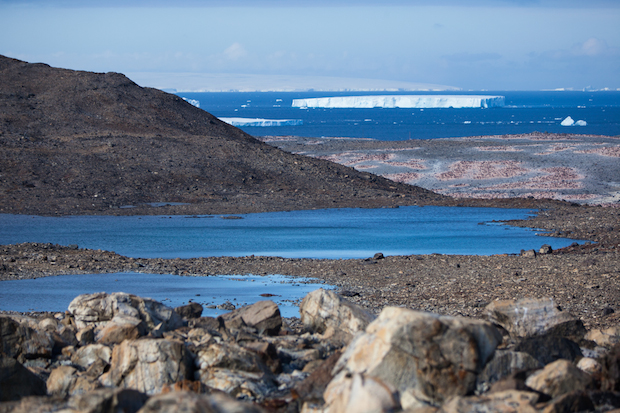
(119, 352)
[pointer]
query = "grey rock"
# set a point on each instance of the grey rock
(264, 316)
(322, 309)
(16, 381)
(425, 356)
(534, 317)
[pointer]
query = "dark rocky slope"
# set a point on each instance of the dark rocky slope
(75, 142)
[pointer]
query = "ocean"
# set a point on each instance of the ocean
(524, 112)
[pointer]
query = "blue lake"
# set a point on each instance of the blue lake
(329, 233)
(55, 293)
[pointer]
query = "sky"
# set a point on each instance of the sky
(471, 45)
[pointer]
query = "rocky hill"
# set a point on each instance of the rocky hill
(74, 142)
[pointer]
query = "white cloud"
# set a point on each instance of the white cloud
(235, 51)
(592, 47)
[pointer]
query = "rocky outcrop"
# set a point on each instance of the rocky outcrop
(426, 357)
(341, 360)
(322, 309)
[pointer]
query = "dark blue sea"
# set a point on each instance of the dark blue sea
(524, 112)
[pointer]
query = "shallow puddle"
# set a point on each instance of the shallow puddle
(55, 293)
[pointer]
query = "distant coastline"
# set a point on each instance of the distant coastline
(224, 82)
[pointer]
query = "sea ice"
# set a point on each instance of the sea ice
(402, 101)
(261, 122)
(570, 122)
(193, 102)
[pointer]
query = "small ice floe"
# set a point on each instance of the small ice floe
(193, 102)
(570, 122)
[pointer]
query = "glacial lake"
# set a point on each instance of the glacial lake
(56, 293)
(331, 233)
(327, 233)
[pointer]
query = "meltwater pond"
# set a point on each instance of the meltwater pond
(56, 293)
(328, 233)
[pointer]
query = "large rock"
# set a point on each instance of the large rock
(16, 381)
(190, 402)
(264, 316)
(529, 317)
(425, 356)
(502, 402)
(558, 378)
(147, 365)
(86, 356)
(238, 383)
(20, 341)
(100, 308)
(357, 393)
(504, 364)
(108, 401)
(322, 309)
(230, 356)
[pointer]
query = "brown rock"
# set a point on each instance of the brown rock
(558, 378)
(16, 381)
(189, 311)
(147, 365)
(264, 316)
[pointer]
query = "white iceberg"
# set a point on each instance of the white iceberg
(261, 122)
(402, 101)
(192, 102)
(570, 122)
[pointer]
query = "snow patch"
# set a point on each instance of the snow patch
(261, 122)
(402, 101)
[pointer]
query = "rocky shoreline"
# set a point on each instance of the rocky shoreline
(120, 352)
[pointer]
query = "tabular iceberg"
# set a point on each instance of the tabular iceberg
(261, 122)
(402, 101)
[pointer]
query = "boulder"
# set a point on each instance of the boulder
(16, 381)
(22, 342)
(122, 327)
(189, 311)
(504, 364)
(264, 316)
(61, 380)
(506, 401)
(558, 378)
(230, 356)
(238, 383)
(147, 365)
(108, 401)
(547, 349)
(174, 402)
(605, 338)
(426, 356)
(571, 402)
(590, 366)
(321, 309)
(359, 393)
(610, 376)
(95, 310)
(86, 356)
(528, 317)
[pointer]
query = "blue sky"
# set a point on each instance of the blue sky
(476, 44)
